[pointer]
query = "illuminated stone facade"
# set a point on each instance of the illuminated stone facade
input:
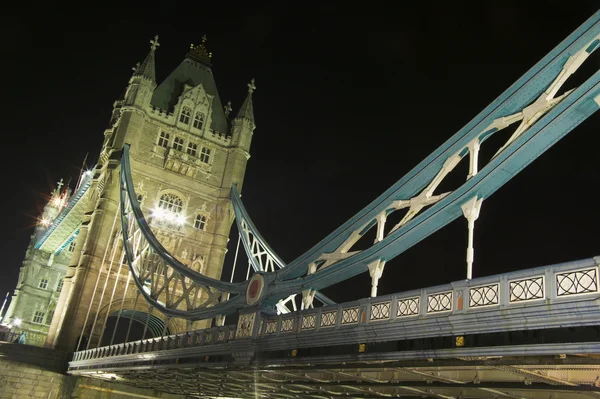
(186, 152)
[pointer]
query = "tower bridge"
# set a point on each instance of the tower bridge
(151, 224)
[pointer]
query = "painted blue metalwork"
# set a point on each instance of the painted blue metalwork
(577, 106)
(573, 108)
(242, 215)
(85, 185)
(129, 200)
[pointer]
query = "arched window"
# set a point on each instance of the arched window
(192, 149)
(178, 143)
(72, 246)
(186, 112)
(171, 202)
(205, 155)
(163, 139)
(199, 120)
(200, 222)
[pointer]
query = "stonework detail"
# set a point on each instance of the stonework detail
(179, 136)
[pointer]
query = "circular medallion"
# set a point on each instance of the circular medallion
(255, 289)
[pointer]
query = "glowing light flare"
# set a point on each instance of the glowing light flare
(162, 214)
(17, 322)
(45, 222)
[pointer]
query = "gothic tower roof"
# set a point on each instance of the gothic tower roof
(193, 70)
(247, 108)
(147, 69)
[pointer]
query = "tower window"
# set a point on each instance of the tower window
(205, 155)
(178, 143)
(71, 246)
(60, 285)
(199, 120)
(43, 283)
(163, 139)
(38, 316)
(192, 149)
(171, 202)
(186, 112)
(200, 222)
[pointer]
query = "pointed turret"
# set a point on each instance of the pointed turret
(143, 80)
(247, 109)
(243, 125)
(146, 69)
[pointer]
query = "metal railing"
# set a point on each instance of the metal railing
(210, 336)
(526, 297)
(527, 288)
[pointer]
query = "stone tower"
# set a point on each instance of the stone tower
(186, 153)
(41, 276)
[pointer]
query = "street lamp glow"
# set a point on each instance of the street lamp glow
(17, 322)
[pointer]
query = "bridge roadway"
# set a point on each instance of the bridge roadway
(526, 334)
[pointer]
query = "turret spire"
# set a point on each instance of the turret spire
(247, 109)
(146, 69)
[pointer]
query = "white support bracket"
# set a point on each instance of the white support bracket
(471, 211)
(308, 297)
(375, 271)
(473, 157)
(220, 320)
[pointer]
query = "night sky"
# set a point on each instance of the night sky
(348, 100)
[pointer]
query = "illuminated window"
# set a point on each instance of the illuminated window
(205, 155)
(71, 246)
(38, 316)
(178, 143)
(43, 283)
(199, 120)
(59, 285)
(171, 202)
(200, 222)
(186, 112)
(192, 149)
(163, 140)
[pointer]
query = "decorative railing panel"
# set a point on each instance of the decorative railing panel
(308, 321)
(328, 319)
(577, 282)
(350, 316)
(441, 302)
(408, 307)
(527, 289)
(380, 311)
(287, 325)
(485, 295)
(271, 327)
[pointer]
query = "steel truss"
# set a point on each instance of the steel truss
(533, 102)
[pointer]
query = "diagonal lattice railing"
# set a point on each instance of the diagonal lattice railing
(263, 258)
(166, 283)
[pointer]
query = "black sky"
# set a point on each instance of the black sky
(348, 101)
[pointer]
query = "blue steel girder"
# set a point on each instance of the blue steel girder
(158, 274)
(260, 254)
(544, 120)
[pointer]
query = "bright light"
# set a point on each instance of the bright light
(45, 222)
(87, 172)
(159, 213)
(180, 219)
(57, 201)
(17, 322)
